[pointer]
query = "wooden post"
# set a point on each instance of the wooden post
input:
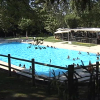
(70, 80)
(97, 81)
(97, 70)
(33, 72)
(9, 64)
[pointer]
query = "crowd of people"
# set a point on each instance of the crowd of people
(39, 47)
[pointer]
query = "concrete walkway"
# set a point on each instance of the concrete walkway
(93, 49)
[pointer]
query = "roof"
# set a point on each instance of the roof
(87, 29)
(80, 29)
(62, 31)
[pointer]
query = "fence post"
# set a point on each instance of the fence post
(33, 72)
(70, 80)
(9, 64)
(97, 70)
(97, 81)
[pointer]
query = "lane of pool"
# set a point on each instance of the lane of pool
(48, 55)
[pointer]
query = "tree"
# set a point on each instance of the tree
(79, 5)
(52, 16)
(51, 23)
(12, 11)
(25, 24)
(72, 21)
(91, 18)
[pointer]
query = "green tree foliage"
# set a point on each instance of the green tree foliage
(54, 15)
(79, 5)
(51, 23)
(25, 24)
(91, 18)
(12, 11)
(72, 21)
(48, 14)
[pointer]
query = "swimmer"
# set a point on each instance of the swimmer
(36, 47)
(54, 47)
(32, 43)
(79, 52)
(51, 46)
(97, 58)
(78, 65)
(73, 58)
(74, 64)
(50, 60)
(97, 54)
(19, 65)
(30, 67)
(77, 58)
(30, 46)
(23, 66)
(66, 66)
(44, 47)
(68, 57)
(40, 48)
(88, 53)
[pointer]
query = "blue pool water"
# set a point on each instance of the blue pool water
(58, 56)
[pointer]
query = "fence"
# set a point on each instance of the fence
(32, 63)
(72, 82)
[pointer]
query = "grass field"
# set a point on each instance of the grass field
(82, 44)
(20, 88)
(49, 39)
(52, 39)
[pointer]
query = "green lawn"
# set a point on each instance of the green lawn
(52, 39)
(48, 39)
(82, 44)
(20, 88)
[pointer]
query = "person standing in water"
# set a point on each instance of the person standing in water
(68, 57)
(50, 61)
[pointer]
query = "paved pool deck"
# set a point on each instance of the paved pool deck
(92, 49)
(64, 45)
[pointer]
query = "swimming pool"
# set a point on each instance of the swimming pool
(43, 54)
